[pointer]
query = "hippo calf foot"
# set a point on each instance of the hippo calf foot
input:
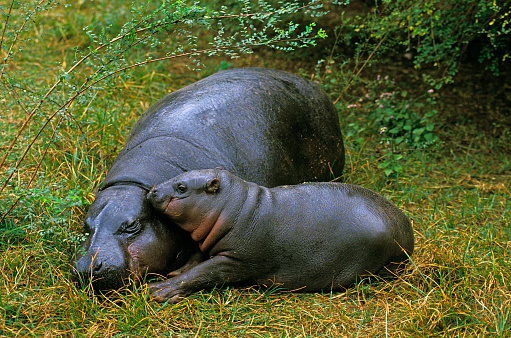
(166, 291)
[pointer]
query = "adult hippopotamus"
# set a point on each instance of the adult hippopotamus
(264, 125)
(308, 237)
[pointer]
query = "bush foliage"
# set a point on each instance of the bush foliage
(435, 33)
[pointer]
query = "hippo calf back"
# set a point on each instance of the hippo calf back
(266, 126)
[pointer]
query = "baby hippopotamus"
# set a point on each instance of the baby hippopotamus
(308, 237)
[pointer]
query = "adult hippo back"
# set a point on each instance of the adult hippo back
(265, 126)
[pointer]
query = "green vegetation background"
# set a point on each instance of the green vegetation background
(423, 93)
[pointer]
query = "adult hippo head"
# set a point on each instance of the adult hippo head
(265, 126)
(126, 240)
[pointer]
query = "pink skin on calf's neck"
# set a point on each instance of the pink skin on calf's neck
(206, 229)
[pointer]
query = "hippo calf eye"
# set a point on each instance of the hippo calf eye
(181, 188)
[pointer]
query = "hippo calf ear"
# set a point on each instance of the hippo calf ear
(213, 185)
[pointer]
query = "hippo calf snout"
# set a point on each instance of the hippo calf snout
(155, 195)
(152, 193)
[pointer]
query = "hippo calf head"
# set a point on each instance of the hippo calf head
(126, 241)
(171, 197)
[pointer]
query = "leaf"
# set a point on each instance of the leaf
(418, 131)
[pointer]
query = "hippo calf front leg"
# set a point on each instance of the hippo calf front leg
(214, 271)
(195, 258)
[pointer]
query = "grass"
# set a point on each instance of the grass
(456, 194)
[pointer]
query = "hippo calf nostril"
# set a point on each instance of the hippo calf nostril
(152, 193)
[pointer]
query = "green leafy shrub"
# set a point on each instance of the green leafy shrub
(59, 114)
(47, 209)
(436, 34)
(404, 122)
(401, 123)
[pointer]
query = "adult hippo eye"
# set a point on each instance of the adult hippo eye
(132, 228)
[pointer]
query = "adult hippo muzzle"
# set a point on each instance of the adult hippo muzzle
(265, 126)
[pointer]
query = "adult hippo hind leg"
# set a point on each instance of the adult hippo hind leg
(266, 126)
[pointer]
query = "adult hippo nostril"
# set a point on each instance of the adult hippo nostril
(96, 268)
(104, 265)
(82, 266)
(102, 277)
(82, 271)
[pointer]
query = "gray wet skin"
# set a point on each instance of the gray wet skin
(267, 126)
(308, 237)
